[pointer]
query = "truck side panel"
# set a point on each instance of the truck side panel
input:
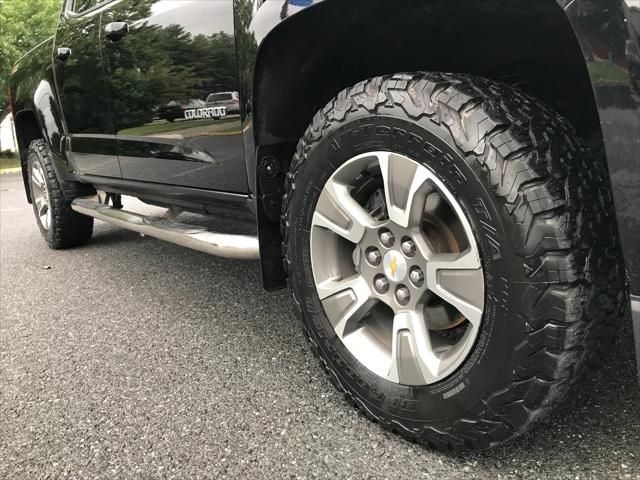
(35, 100)
(607, 31)
(165, 79)
(608, 34)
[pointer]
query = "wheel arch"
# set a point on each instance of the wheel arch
(529, 44)
(27, 130)
(526, 43)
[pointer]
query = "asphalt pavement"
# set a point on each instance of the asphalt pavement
(134, 358)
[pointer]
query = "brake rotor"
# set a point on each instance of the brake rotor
(442, 240)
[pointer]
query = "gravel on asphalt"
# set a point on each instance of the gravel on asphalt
(134, 358)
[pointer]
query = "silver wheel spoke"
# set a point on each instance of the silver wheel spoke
(36, 177)
(39, 204)
(406, 187)
(44, 212)
(338, 211)
(413, 361)
(345, 302)
(457, 279)
(40, 195)
(43, 207)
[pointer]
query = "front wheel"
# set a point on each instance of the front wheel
(453, 254)
(60, 226)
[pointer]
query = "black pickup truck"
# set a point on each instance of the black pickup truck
(451, 189)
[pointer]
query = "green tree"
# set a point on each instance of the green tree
(247, 50)
(23, 25)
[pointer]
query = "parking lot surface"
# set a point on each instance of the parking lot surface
(134, 358)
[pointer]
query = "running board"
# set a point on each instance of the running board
(225, 245)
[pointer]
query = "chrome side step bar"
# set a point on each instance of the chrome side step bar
(191, 236)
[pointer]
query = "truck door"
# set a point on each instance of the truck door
(90, 144)
(163, 60)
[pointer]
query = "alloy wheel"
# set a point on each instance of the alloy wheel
(40, 195)
(397, 268)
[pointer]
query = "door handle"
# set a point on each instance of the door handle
(63, 53)
(114, 31)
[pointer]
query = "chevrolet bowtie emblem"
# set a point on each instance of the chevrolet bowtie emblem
(394, 266)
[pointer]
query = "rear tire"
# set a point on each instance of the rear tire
(542, 215)
(60, 226)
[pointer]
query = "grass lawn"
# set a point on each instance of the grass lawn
(607, 73)
(226, 125)
(10, 164)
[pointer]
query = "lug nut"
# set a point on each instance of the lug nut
(408, 247)
(386, 238)
(381, 284)
(416, 276)
(374, 257)
(402, 295)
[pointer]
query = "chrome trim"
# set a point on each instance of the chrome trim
(225, 245)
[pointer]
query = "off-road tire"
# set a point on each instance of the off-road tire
(541, 208)
(68, 228)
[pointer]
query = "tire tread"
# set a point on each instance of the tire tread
(68, 228)
(558, 196)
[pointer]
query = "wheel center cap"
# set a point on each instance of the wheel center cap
(395, 266)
